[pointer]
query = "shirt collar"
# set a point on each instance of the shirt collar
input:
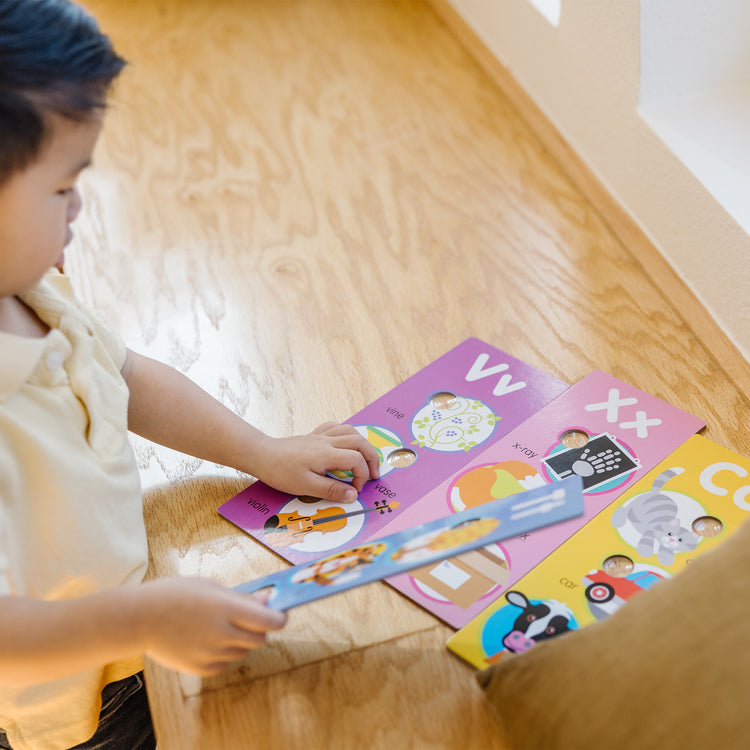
(20, 357)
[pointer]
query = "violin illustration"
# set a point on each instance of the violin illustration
(285, 529)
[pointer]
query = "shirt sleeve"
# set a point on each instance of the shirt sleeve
(108, 338)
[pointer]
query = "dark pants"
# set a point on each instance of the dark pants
(124, 721)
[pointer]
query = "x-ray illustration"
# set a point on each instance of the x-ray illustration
(601, 460)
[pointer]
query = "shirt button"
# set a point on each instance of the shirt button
(54, 360)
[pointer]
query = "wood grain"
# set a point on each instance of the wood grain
(403, 694)
(300, 203)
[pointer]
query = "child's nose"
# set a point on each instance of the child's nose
(74, 207)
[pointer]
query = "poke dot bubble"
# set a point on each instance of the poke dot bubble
(707, 526)
(443, 400)
(401, 458)
(574, 439)
(618, 566)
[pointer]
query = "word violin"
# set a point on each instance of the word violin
(285, 529)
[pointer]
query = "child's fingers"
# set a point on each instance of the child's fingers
(351, 459)
(372, 459)
(262, 595)
(333, 429)
(334, 490)
(347, 437)
(369, 467)
(321, 429)
(254, 617)
(241, 642)
(231, 649)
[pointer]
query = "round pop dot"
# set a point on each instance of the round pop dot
(443, 400)
(707, 526)
(618, 566)
(574, 439)
(401, 458)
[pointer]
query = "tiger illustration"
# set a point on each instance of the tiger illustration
(326, 571)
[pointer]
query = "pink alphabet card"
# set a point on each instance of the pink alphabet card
(602, 430)
(425, 429)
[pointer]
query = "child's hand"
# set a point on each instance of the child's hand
(298, 465)
(196, 625)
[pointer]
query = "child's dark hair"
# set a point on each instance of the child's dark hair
(53, 60)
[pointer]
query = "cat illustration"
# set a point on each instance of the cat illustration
(654, 516)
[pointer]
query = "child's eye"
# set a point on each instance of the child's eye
(65, 191)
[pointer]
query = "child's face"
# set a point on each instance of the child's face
(38, 203)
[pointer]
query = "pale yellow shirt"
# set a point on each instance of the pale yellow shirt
(71, 516)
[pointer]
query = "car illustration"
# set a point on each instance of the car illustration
(605, 593)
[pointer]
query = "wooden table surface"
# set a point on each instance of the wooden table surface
(300, 203)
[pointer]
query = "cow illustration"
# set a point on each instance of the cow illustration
(537, 622)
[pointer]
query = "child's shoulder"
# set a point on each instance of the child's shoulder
(59, 296)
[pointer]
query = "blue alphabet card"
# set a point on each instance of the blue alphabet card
(424, 545)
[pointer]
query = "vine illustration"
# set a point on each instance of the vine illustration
(460, 425)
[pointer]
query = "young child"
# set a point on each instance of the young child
(75, 614)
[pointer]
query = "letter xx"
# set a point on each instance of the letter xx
(612, 407)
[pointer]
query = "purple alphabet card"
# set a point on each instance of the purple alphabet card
(424, 430)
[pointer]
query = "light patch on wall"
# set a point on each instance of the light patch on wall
(695, 92)
(550, 9)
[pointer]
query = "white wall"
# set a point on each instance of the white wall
(674, 149)
(693, 46)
